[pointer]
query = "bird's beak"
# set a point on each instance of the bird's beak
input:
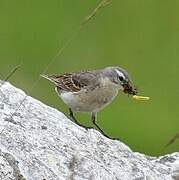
(129, 88)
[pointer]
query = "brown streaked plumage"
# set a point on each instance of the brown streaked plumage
(73, 82)
(90, 91)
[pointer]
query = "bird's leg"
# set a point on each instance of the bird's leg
(93, 117)
(75, 120)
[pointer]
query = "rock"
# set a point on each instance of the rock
(38, 142)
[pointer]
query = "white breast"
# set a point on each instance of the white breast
(70, 99)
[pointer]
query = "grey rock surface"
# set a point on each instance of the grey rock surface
(38, 142)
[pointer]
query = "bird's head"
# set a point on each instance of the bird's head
(120, 77)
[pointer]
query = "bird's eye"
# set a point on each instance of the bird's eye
(121, 78)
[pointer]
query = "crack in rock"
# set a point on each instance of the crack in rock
(12, 164)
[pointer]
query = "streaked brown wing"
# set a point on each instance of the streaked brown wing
(73, 81)
(86, 79)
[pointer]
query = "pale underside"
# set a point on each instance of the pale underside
(90, 100)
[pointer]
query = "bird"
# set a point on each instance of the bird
(91, 90)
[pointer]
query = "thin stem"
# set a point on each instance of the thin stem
(12, 72)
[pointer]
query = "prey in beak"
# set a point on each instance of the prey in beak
(129, 88)
(124, 80)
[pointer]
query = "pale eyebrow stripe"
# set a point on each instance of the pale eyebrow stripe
(120, 73)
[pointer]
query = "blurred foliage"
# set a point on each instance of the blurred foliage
(140, 36)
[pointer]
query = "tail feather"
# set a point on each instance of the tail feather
(44, 76)
(49, 77)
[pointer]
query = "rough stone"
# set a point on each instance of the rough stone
(38, 142)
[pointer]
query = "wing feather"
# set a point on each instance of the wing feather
(74, 81)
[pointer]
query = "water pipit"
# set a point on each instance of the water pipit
(91, 91)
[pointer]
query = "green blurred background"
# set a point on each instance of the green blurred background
(140, 36)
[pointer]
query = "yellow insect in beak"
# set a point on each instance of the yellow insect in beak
(140, 98)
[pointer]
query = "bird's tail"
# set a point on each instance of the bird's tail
(49, 77)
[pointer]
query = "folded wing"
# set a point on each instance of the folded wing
(74, 81)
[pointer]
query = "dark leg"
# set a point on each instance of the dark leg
(93, 117)
(75, 120)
